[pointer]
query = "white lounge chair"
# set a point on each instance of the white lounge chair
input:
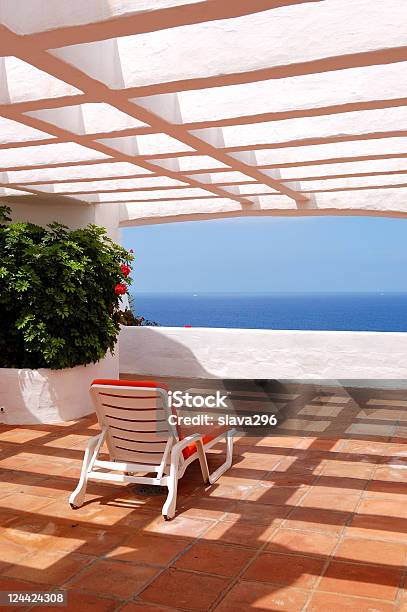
(134, 418)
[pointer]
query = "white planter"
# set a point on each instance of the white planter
(51, 396)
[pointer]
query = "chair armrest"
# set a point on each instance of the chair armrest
(179, 446)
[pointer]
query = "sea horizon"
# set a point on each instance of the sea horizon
(382, 292)
(299, 310)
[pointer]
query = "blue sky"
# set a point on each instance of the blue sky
(267, 254)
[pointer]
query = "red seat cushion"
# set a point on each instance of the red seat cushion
(191, 448)
(129, 383)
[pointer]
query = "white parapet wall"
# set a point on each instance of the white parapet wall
(255, 353)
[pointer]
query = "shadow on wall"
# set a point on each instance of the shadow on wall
(159, 354)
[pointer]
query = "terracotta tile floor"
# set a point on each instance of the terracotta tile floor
(298, 523)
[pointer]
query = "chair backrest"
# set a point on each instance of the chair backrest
(135, 415)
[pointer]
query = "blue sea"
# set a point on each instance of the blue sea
(314, 311)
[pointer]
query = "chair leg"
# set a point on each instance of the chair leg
(228, 461)
(202, 460)
(169, 507)
(77, 498)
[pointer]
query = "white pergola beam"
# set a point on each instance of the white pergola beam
(274, 34)
(50, 27)
(322, 93)
(290, 129)
(130, 158)
(83, 82)
(387, 202)
(98, 149)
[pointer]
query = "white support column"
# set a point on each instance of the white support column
(4, 90)
(71, 117)
(90, 59)
(166, 106)
(108, 216)
(126, 145)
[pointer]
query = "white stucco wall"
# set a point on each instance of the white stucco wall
(72, 213)
(253, 353)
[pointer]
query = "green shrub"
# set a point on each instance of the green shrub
(59, 302)
(128, 318)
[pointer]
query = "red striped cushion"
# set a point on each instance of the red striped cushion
(129, 383)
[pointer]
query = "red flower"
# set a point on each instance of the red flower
(120, 289)
(125, 269)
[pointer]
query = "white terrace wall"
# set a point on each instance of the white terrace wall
(255, 353)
